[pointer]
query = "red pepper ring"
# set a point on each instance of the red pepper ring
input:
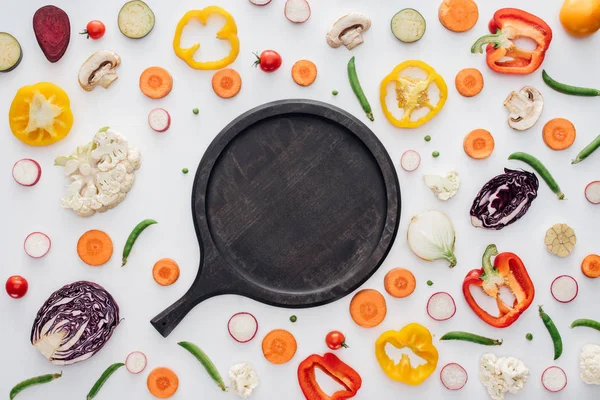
(336, 369)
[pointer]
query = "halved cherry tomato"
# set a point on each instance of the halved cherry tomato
(94, 30)
(268, 60)
(16, 286)
(336, 340)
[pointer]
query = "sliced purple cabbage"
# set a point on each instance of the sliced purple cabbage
(504, 199)
(75, 323)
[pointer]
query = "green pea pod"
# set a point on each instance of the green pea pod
(206, 363)
(133, 237)
(540, 169)
(553, 331)
(568, 89)
(357, 89)
(37, 380)
(102, 380)
(589, 149)
(470, 337)
(588, 323)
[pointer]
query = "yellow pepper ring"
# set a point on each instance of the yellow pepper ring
(227, 32)
(412, 94)
(415, 337)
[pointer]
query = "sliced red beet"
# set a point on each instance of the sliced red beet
(52, 31)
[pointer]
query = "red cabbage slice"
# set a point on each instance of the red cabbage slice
(504, 199)
(75, 323)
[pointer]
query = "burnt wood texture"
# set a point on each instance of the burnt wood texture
(296, 203)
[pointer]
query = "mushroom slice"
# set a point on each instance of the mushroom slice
(99, 69)
(525, 107)
(347, 30)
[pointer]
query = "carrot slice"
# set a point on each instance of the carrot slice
(165, 272)
(95, 248)
(368, 308)
(559, 134)
(590, 266)
(162, 382)
(479, 144)
(156, 82)
(227, 83)
(279, 346)
(304, 72)
(399, 282)
(469, 82)
(458, 15)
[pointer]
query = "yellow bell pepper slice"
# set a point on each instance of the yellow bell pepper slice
(40, 114)
(227, 32)
(412, 94)
(415, 337)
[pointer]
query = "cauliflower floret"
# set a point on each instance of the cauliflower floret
(243, 379)
(502, 375)
(589, 364)
(102, 173)
(444, 187)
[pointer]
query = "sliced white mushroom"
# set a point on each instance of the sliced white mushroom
(99, 69)
(348, 30)
(525, 107)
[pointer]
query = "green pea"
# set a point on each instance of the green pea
(429, 283)
(427, 138)
(334, 92)
(195, 111)
(293, 318)
(185, 170)
(435, 154)
(529, 337)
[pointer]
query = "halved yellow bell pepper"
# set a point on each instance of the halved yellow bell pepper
(227, 32)
(415, 337)
(40, 114)
(412, 94)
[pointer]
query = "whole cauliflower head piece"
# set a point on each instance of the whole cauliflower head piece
(101, 173)
(589, 364)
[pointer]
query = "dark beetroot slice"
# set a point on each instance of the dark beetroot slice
(52, 31)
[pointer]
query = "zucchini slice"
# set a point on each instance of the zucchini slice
(408, 25)
(136, 19)
(11, 53)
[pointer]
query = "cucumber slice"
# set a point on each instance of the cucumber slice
(136, 19)
(408, 25)
(11, 53)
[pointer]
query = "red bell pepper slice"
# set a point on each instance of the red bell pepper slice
(508, 270)
(509, 24)
(333, 367)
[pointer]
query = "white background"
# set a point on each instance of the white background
(162, 192)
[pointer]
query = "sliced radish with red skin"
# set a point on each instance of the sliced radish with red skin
(260, 2)
(441, 306)
(27, 172)
(159, 120)
(410, 160)
(37, 244)
(297, 11)
(592, 192)
(136, 362)
(554, 379)
(242, 327)
(564, 288)
(453, 376)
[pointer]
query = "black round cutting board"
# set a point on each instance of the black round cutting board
(296, 203)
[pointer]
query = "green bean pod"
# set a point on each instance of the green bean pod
(540, 169)
(357, 89)
(206, 363)
(589, 149)
(588, 323)
(102, 380)
(470, 337)
(133, 237)
(553, 331)
(568, 89)
(37, 380)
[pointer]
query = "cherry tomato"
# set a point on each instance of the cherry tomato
(94, 30)
(336, 340)
(269, 60)
(16, 286)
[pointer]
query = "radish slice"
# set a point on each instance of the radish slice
(242, 327)
(260, 2)
(592, 192)
(441, 306)
(37, 244)
(159, 119)
(554, 379)
(27, 172)
(136, 362)
(453, 376)
(297, 11)
(564, 288)
(410, 160)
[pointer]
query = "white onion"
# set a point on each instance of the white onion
(431, 237)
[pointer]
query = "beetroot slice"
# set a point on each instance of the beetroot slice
(52, 31)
